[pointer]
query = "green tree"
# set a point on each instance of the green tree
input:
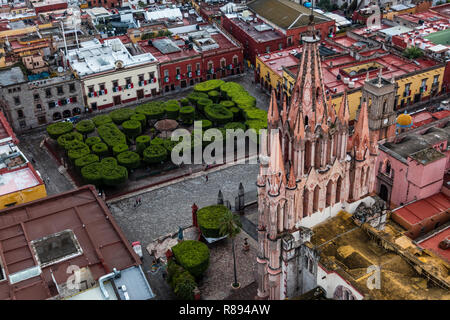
(231, 225)
(412, 53)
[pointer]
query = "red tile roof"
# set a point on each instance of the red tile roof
(422, 209)
(433, 244)
(103, 244)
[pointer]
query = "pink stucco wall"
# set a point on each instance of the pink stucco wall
(413, 180)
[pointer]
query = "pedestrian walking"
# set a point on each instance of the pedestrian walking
(32, 160)
(48, 180)
(206, 178)
(139, 200)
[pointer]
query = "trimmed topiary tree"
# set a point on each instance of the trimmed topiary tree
(119, 148)
(187, 114)
(86, 160)
(141, 118)
(142, 142)
(114, 176)
(172, 111)
(157, 141)
(121, 115)
(230, 88)
(57, 129)
(90, 141)
(193, 97)
(209, 85)
(218, 114)
(101, 120)
(111, 135)
(214, 95)
(64, 141)
(109, 162)
(255, 114)
(236, 113)
(193, 256)
(208, 219)
(85, 127)
(92, 174)
(235, 126)
(227, 103)
(129, 159)
(79, 151)
(206, 124)
(100, 149)
(169, 144)
(154, 154)
(203, 102)
(184, 102)
(132, 128)
(152, 110)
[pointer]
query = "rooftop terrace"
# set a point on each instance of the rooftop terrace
(258, 30)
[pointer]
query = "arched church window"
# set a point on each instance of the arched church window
(385, 106)
(387, 170)
(306, 120)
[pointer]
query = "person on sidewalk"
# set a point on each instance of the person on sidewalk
(206, 178)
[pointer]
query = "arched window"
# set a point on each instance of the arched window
(66, 113)
(338, 189)
(19, 113)
(316, 199)
(305, 202)
(306, 120)
(329, 189)
(56, 116)
(387, 169)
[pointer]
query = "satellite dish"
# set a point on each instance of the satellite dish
(60, 69)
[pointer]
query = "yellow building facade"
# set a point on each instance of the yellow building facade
(411, 88)
(22, 196)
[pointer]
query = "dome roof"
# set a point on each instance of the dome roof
(404, 120)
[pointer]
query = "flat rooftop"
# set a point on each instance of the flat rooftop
(94, 57)
(11, 77)
(432, 244)
(348, 250)
(258, 30)
(17, 180)
(100, 244)
(284, 13)
(423, 209)
(413, 143)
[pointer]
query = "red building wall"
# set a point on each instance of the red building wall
(109, 3)
(51, 7)
(230, 67)
(324, 28)
(184, 76)
(251, 47)
(446, 82)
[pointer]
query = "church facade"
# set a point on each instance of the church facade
(311, 166)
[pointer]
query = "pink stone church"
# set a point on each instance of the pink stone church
(310, 170)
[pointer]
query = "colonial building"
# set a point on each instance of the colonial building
(309, 172)
(111, 75)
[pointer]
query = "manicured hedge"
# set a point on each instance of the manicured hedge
(111, 135)
(236, 112)
(92, 174)
(244, 100)
(157, 140)
(227, 103)
(141, 118)
(119, 148)
(169, 144)
(235, 126)
(65, 139)
(109, 162)
(172, 110)
(193, 97)
(132, 128)
(114, 176)
(129, 159)
(218, 114)
(255, 114)
(56, 129)
(203, 102)
(100, 149)
(86, 160)
(193, 256)
(121, 115)
(85, 127)
(208, 219)
(184, 102)
(229, 89)
(101, 120)
(181, 281)
(256, 124)
(92, 140)
(206, 124)
(187, 114)
(77, 152)
(209, 85)
(152, 110)
(214, 95)
(154, 154)
(142, 142)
